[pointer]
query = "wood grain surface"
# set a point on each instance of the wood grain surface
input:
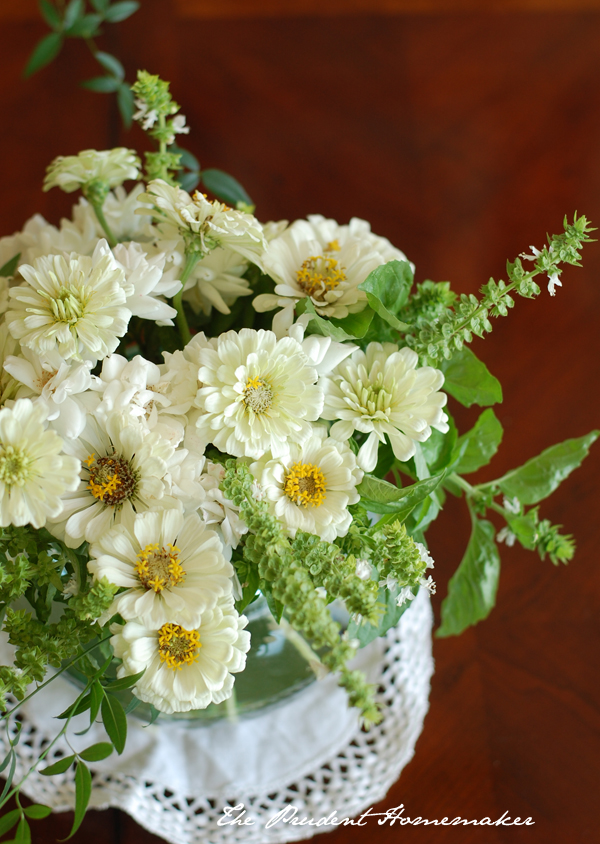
(464, 139)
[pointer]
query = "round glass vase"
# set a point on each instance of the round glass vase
(277, 666)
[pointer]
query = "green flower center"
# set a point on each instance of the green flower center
(14, 466)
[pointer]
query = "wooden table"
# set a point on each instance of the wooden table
(464, 138)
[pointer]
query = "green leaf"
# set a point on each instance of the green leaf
(111, 63)
(469, 380)
(366, 632)
(539, 477)
(83, 790)
(481, 443)
(100, 5)
(9, 776)
(351, 327)
(387, 289)
(249, 588)
(187, 159)
(96, 698)
(38, 811)
(80, 705)
(124, 682)
(85, 27)
(96, 752)
(525, 529)
(276, 607)
(154, 713)
(50, 14)
(101, 84)
(6, 760)
(44, 52)
(8, 820)
(126, 104)
(472, 587)
(23, 833)
(74, 11)
(188, 181)
(379, 496)
(120, 11)
(58, 767)
(439, 450)
(7, 270)
(225, 187)
(115, 721)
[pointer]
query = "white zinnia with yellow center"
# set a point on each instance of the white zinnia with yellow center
(206, 225)
(110, 166)
(258, 393)
(184, 668)
(383, 392)
(171, 565)
(318, 259)
(74, 304)
(33, 472)
(311, 487)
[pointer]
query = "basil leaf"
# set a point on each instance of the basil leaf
(539, 477)
(379, 496)
(481, 443)
(225, 187)
(469, 380)
(387, 289)
(366, 632)
(472, 587)
(351, 327)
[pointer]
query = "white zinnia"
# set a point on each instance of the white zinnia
(111, 166)
(144, 273)
(258, 393)
(74, 304)
(311, 486)
(326, 262)
(33, 472)
(207, 224)
(216, 281)
(383, 392)
(184, 668)
(56, 383)
(124, 469)
(172, 566)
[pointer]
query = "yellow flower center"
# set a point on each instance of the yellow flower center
(332, 246)
(112, 479)
(258, 395)
(319, 274)
(178, 646)
(159, 568)
(305, 484)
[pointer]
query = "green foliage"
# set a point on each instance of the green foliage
(379, 496)
(470, 316)
(472, 588)
(225, 188)
(480, 443)
(540, 476)
(8, 269)
(429, 302)
(387, 288)
(352, 327)
(469, 381)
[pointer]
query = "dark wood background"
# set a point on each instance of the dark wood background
(464, 138)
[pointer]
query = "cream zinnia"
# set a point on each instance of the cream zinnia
(258, 393)
(33, 472)
(383, 392)
(171, 565)
(184, 668)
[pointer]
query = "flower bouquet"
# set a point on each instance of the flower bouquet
(200, 410)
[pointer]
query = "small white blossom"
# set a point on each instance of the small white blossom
(424, 555)
(506, 535)
(513, 505)
(405, 594)
(363, 569)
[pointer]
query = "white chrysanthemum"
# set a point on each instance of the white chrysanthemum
(383, 392)
(33, 472)
(319, 259)
(216, 281)
(110, 166)
(123, 471)
(74, 304)
(145, 275)
(311, 487)
(258, 393)
(184, 668)
(207, 224)
(172, 567)
(57, 383)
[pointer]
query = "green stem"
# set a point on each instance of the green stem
(112, 241)
(184, 331)
(464, 485)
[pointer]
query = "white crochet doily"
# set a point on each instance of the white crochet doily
(308, 753)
